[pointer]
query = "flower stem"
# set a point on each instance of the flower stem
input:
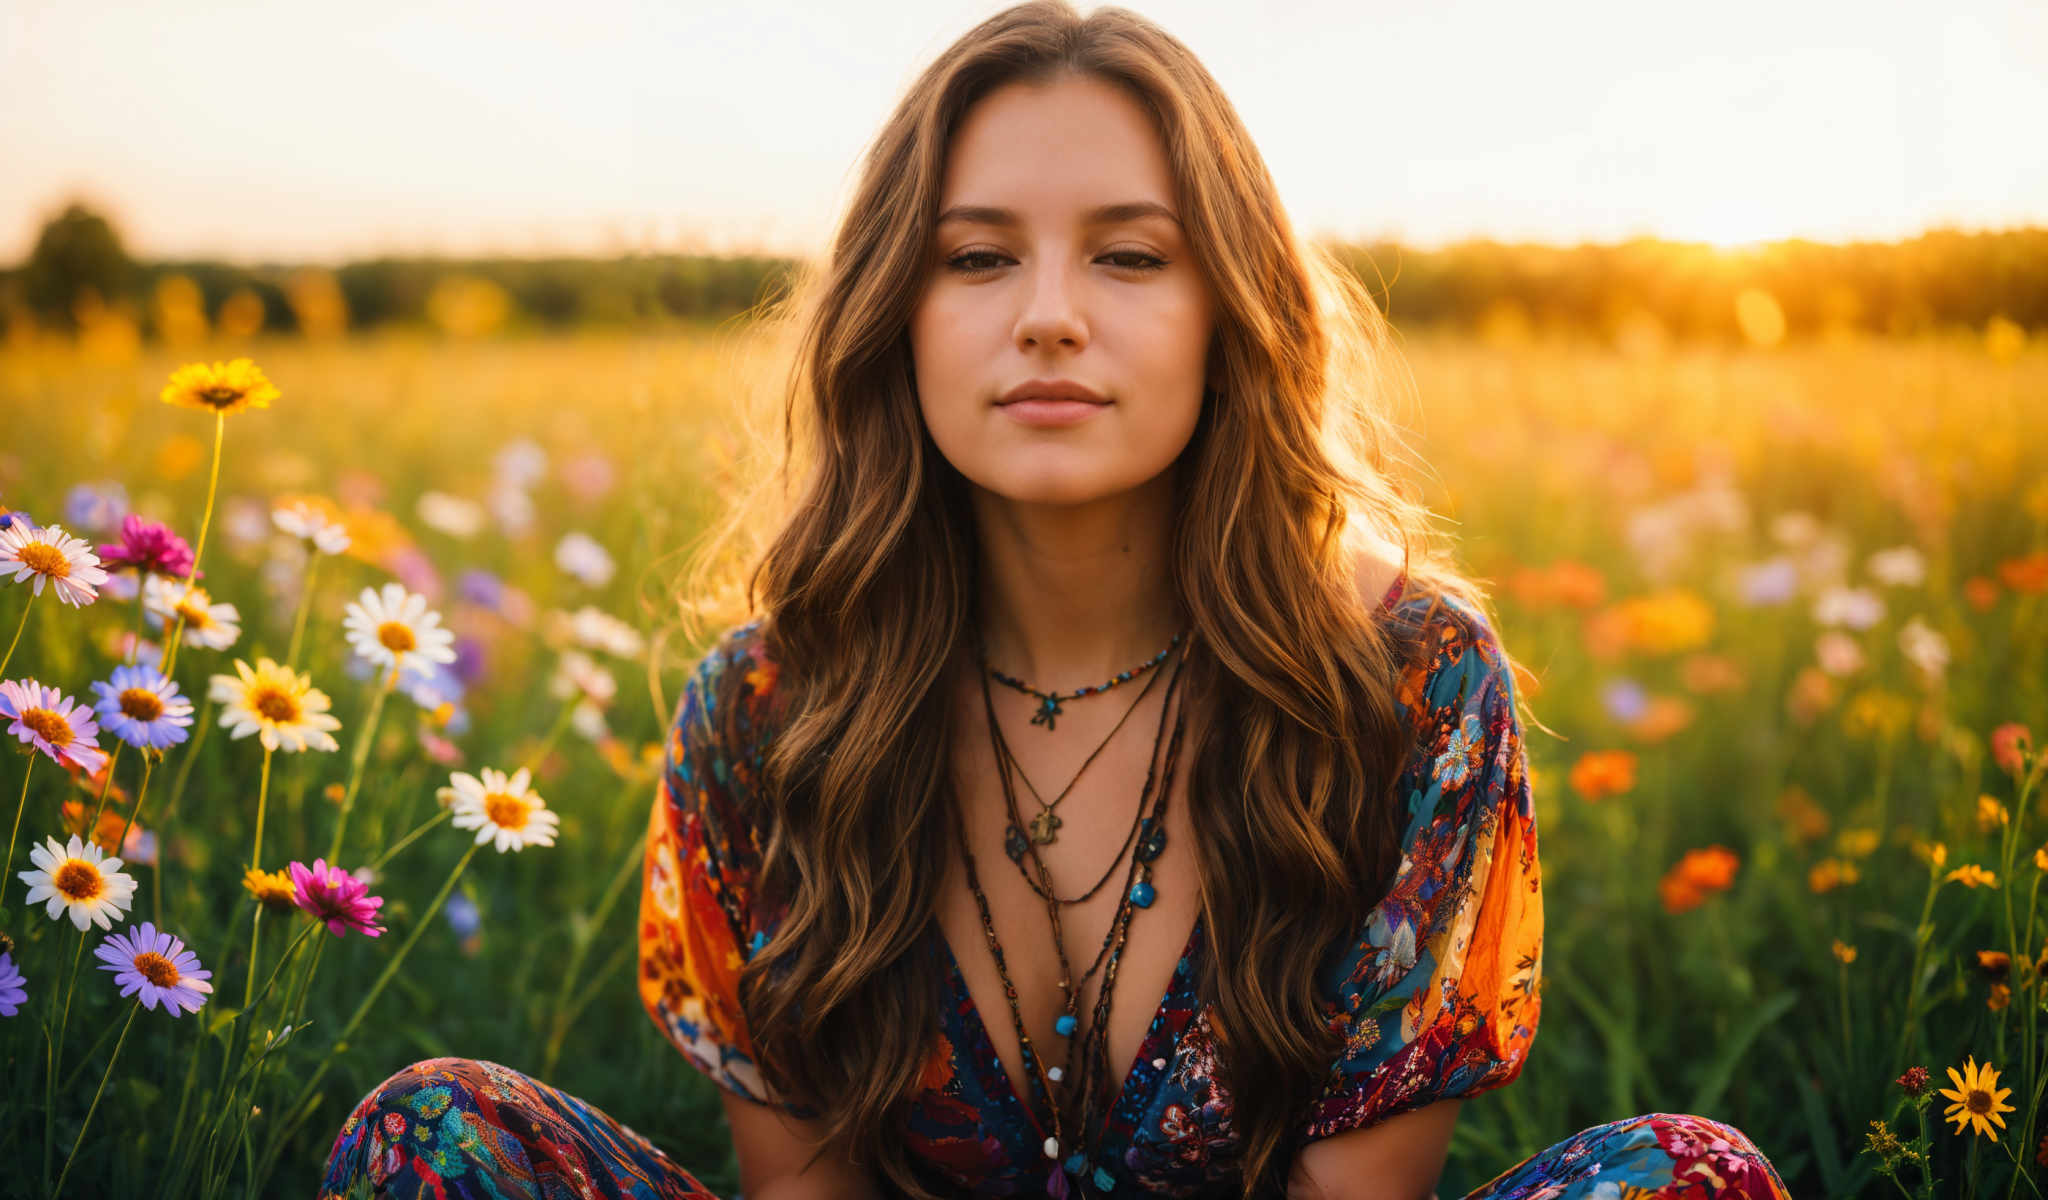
(97, 1092)
(9, 656)
(409, 838)
(376, 989)
(220, 425)
(561, 1013)
(291, 655)
(93, 826)
(554, 735)
(135, 810)
(355, 767)
(135, 640)
(9, 872)
(262, 800)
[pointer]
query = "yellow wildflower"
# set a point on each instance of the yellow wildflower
(271, 889)
(1845, 952)
(1971, 875)
(1856, 843)
(1990, 814)
(221, 387)
(1978, 1098)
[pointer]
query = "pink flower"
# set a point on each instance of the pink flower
(336, 897)
(48, 721)
(148, 546)
(2010, 744)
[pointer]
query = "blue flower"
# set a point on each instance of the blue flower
(143, 708)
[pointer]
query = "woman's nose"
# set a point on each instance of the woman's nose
(1052, 307)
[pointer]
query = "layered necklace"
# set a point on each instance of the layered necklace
(1086, 1062)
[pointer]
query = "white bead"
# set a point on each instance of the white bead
(1159, 1064)
(1056, 1074)
(1052, 1147)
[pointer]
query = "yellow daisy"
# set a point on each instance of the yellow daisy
(1978, 1099)
(271, 889)
(221, 387)
(281, 706)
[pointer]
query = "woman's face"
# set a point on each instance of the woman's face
(1060, 260)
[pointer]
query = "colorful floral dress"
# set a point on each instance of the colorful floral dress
(1436, 999)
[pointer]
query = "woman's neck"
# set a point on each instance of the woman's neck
(1074, 594)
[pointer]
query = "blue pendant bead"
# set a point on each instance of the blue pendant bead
(1104, 1180)
(1065, 1025)
(1142, 894)
(1075, 1164)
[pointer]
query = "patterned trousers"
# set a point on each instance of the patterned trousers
(465, 1129)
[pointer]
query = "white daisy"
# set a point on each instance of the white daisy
(78, 876)
(453, 515)
(1856, 608)
(594, 629)
(501, 808)
(577, 675)
(581, 556)
(309, 524)
(52, 556)
(214, 626)
(1899, 566)
(1924, 647)
(394, 628)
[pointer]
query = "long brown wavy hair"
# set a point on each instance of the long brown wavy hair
(866, 584)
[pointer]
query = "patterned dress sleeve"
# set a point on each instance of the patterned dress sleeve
(1438, 1000)
(697, 917)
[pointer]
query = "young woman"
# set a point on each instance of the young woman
(1116, 791)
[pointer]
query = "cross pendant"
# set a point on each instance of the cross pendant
(1042, 826)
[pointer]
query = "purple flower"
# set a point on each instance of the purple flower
(1772, 581)
(96, 507)
(12, 993)
(336, 897)
(157, 965)
(1624, 699)
(148, 546)
(463, 916)
(143, 708)
(480, 588)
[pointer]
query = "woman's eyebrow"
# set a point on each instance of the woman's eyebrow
(1107, 214)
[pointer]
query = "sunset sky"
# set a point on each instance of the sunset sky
(269, 130)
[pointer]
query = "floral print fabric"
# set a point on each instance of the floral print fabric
(1436, 996)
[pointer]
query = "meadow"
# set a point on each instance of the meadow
(1780, 610)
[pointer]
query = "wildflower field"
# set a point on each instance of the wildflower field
(339, 676)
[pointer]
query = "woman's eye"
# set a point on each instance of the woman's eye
(979, 262)
(960, 262)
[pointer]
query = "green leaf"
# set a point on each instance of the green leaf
(1707, 1097)
(219, 1017)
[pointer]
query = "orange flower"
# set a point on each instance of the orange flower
(1804, 819)
(2010, 745)
(1844, 951)
(1707, 674)
(106, 835)
(1972, 876)
(2028, 573)
(1980, 592)
(1831, 873)
(1688, 883)
(1994, 963)
(1662, 717)
(1602, 773)
(2001, 995)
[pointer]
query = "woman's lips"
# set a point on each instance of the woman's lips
(1050, 413)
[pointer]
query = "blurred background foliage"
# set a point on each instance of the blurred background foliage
(1634, 295)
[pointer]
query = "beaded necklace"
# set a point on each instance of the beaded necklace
(1092, 1048)
(1045, 826)
(1049, 702)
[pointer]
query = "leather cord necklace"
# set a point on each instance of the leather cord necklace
(1044, 826)
(1091, 1051)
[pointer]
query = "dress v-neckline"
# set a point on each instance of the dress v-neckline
(982, 1046)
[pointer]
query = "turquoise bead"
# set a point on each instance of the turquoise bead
(754, 946)
(1065, 1025)
(1074, 1163)
(1141, 894)
(1104, 1180)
